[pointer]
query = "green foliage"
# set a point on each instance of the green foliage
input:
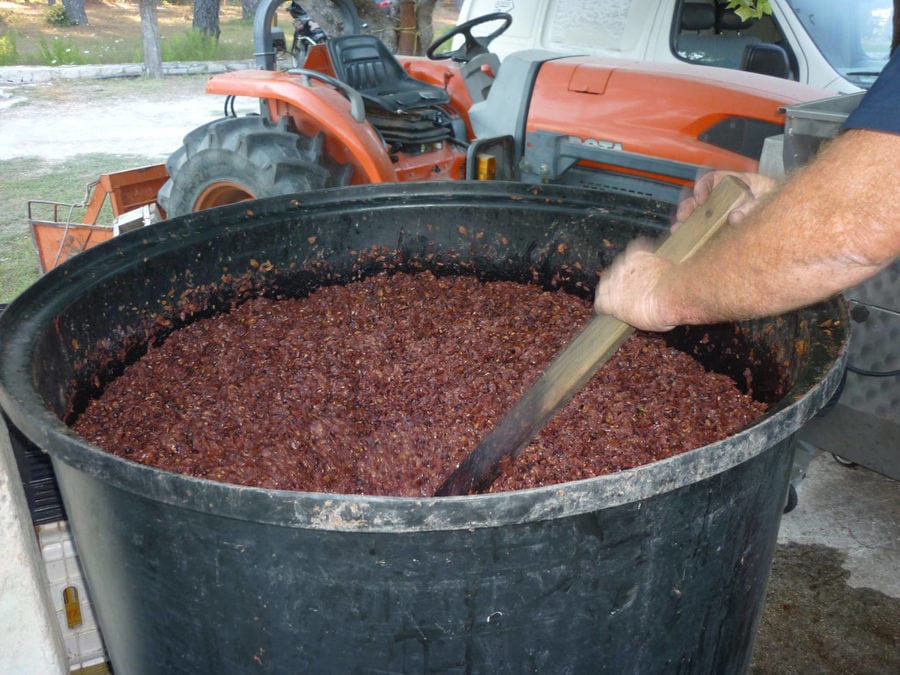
(190, 46)
(115, 37)
(59, 52)
(55, 15)
(9, 55)
(750, 9)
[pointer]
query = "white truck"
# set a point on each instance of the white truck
(839, 45)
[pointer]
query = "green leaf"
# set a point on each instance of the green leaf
(750, 9)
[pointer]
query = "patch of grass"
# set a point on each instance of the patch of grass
(30, 178)
(9, 55)
(59, 51)
(191, 46)
(113, 34)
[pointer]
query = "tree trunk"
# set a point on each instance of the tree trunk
(424, 25)
(248, 8)
(380, 21)
(415, 32)
(406, 38)
(330, 16)
(150, 31)
(75, 12)
(206, 17)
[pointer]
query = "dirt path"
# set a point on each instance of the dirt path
(63, 119)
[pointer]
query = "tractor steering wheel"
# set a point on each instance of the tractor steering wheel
(473, 46)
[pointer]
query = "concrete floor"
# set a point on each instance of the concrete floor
(833, 604)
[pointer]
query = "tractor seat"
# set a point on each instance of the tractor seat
(365, 63)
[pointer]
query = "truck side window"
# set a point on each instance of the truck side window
(707, 33)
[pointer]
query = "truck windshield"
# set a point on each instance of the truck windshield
(854, 35)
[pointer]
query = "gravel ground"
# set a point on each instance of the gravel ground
(65, 118)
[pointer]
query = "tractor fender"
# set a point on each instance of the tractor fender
(315, 107)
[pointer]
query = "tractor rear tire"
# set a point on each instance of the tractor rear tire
(239, 158)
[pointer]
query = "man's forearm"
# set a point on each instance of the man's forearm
(828, 228)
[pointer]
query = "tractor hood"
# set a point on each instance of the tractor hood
(703, 116)
(590, 75)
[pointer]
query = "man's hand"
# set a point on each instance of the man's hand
(759, 185)
(637, 287)
(630, 288)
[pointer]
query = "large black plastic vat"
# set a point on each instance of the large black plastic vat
(658, 569)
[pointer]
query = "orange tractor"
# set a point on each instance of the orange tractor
(354, 113)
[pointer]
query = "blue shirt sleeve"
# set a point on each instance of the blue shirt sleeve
(879, 109)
